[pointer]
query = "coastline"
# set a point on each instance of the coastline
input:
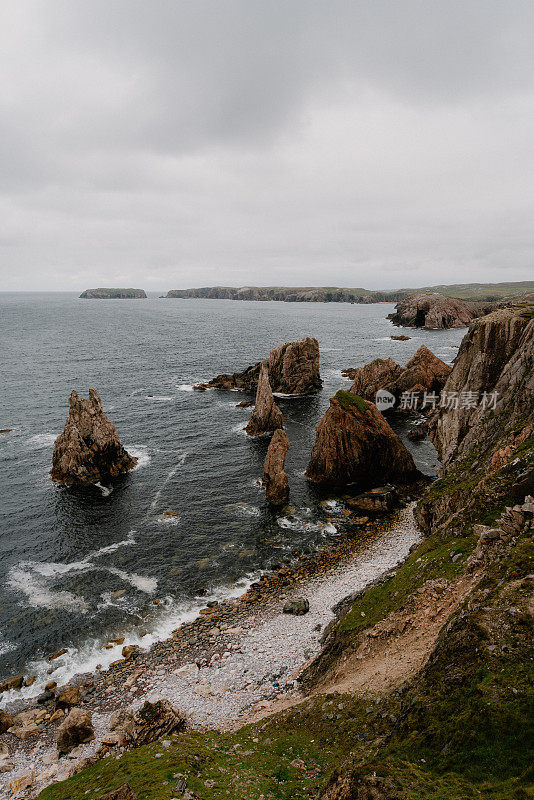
(242, 658)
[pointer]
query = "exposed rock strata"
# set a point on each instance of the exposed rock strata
(274, 476)
(424, 372)
(293, 368)
(355, 445)
(436, 311)
(266, 416)
(89, 449)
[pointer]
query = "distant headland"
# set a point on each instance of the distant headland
(332, 294)
(113, 294)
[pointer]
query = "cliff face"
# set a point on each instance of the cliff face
(89, 449)
(293, 368)
(266, 416)
(484, 432)
(113, 294)
(355, 444)
(436, 311)
(288, 294)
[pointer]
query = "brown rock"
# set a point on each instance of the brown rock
(266, 416)
(355, 444)
(401, 338)
(154, 720)
(6, 721)
(12, 683)
(124, 792)
(129, 649)
(379, 374)
(76, 729)
(89, 449)
(293, 368)
(274, 476)
(50, 686)
(379, 500)
(436, 311)
(58, 654)
(69, 697)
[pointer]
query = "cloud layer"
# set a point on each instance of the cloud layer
(187, 143)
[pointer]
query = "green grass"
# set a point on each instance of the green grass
(348, 400)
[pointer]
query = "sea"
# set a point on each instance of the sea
(78, 566)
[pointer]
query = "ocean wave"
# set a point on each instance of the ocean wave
(140, 582)
(185, 387)
(39, 594)
(139, 451)
(244, 508)
(296, 524)
(169, 477)
(162, 398)
(106, 490)
(41, 440)
(239, 429)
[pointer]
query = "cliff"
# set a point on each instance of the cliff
(113, 294)
(436, 311)
(293, 368)
(89, 449)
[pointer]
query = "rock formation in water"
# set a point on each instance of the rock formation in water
(266, 416)
(436, 311)
(355, 445)
(89, 449)
(113, 294)
(293, 368)
(274, 476)
(424, 372)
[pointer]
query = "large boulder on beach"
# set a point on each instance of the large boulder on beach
(154, 720)
(266, 416)
(6, 721)
(433, 310)
(274, 476)
(355, 445)
(75, 729)
(293, 369)
(89, 449)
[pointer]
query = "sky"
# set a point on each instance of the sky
(184, 143)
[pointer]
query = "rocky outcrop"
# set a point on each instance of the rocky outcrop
(76, 729)
(424, 372)
(379, 374)
(89, 449)
(266, 416)
(355, 445)
(436, 311)
(124, 792)
(274, 476)
(150, 722)
(113, 294)
(293, 368)
(484, 431)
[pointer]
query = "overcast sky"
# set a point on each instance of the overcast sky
(167, 144)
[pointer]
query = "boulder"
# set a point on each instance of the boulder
(69, 697)
(129, 650)
(89, 449)
(298, 606)
(379, 500)
(274, 476)
(154, 720)
(355, 445)
(12, 683)
(293, 368)
(436, 311)
(75, 729)
(123, 792)
(266, 416)
(6, 721)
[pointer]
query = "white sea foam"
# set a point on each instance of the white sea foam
(139, 451)
(185, 387)
(41, 440)
(170, 476)
(106, 490)
(239, 429)
(35, 586)
(140, 582)
(244, 508)
(168, 520)
(300, 525)
(162, 398)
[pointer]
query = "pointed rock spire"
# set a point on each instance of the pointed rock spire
(266, 416)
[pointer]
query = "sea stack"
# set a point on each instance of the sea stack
(293, 368)
(89, 449)
(266, 416)
(432, 311)
(355, 445)
(274, 476)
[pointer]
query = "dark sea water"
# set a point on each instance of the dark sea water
(77, 566)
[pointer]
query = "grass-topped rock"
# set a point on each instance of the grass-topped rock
(355, 445)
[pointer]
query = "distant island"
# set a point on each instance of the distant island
(113, 294)
(333, 294)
